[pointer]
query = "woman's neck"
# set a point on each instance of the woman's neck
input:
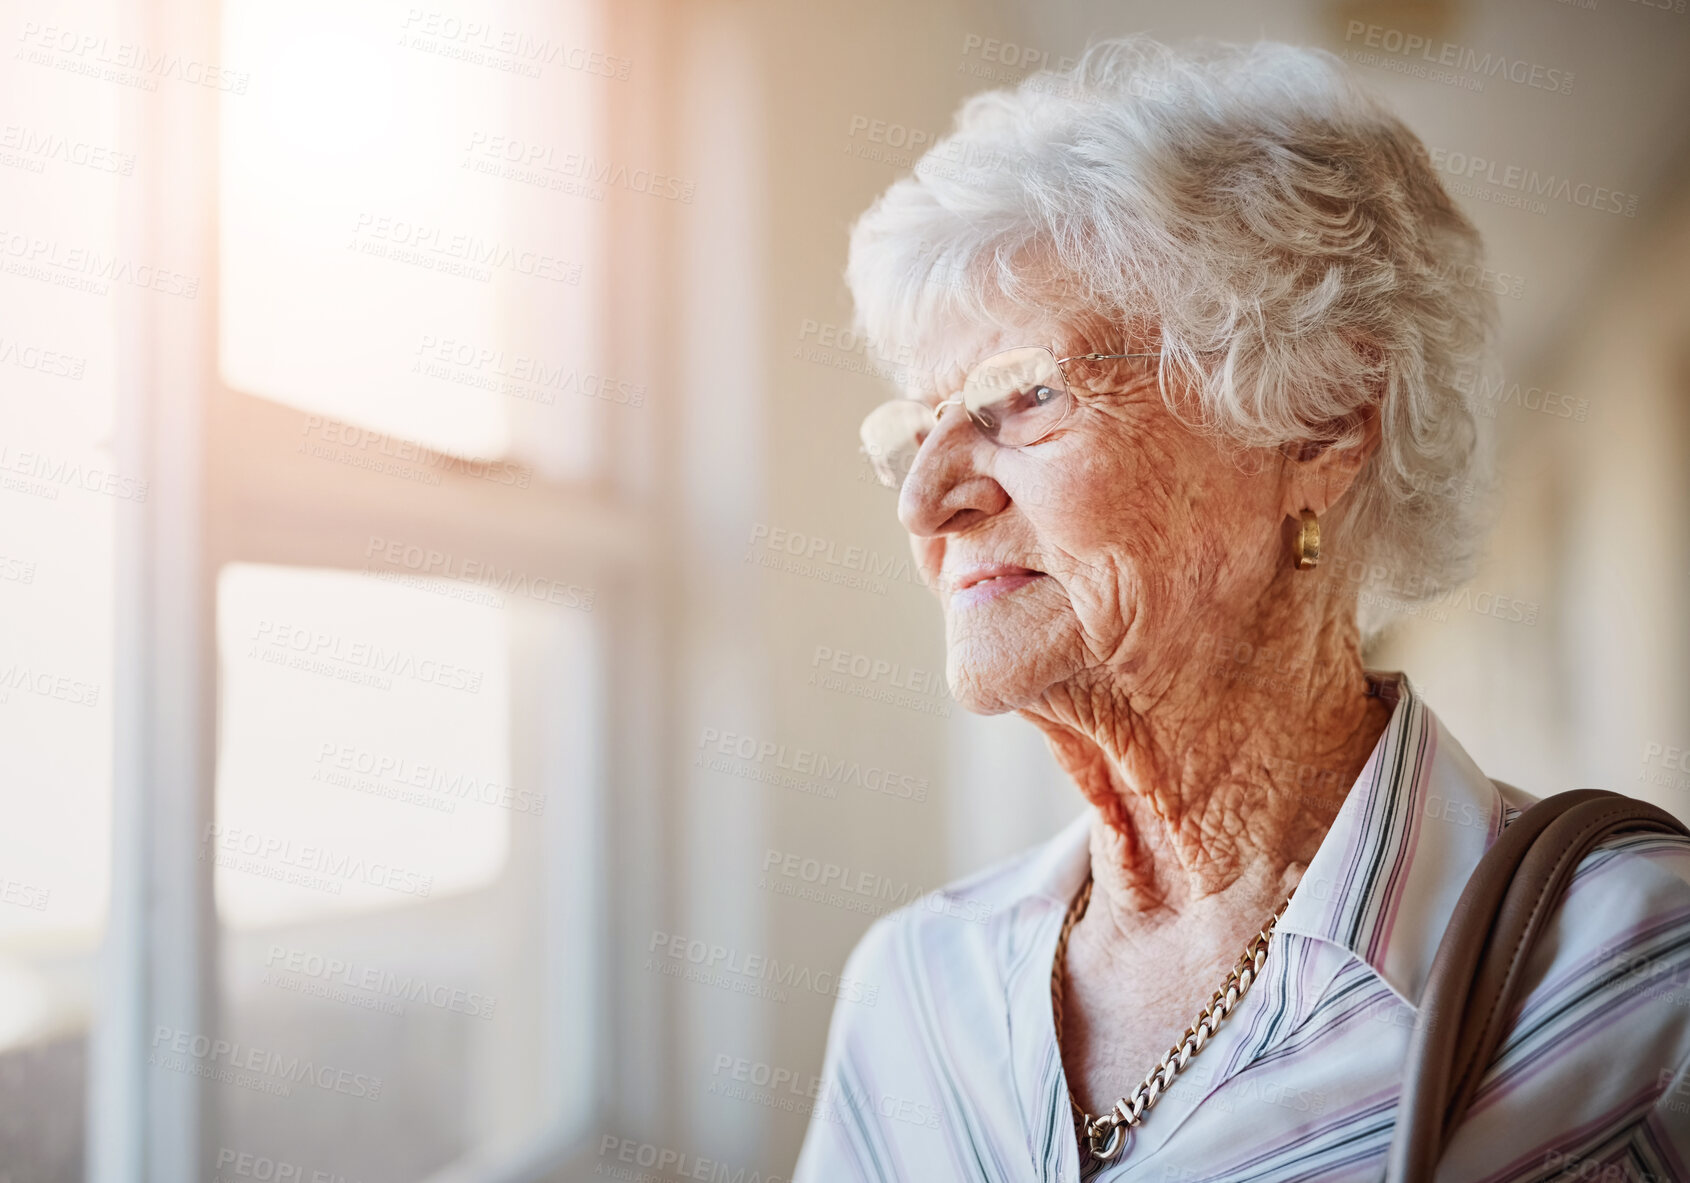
(1223, 774)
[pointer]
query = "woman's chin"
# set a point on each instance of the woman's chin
(993, 670)
(994, 688)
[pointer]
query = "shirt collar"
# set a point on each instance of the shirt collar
(1384, 881)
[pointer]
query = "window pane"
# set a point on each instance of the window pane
(65, 167)
(406, 832)
(343, 696)
(384, 263)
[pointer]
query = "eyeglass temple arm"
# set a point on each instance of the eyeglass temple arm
(1113, 356)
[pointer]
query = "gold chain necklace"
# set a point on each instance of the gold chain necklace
(1106, 1135)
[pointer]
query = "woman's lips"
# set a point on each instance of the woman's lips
(988, 583)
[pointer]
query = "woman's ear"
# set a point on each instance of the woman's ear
(1320, 472)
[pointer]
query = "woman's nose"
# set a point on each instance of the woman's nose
(946, 490)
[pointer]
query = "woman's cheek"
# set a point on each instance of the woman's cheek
(1101, 502)
(929, 556)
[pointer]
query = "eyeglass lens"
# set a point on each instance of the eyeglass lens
(1016, 398)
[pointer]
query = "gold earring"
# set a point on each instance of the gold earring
(1306, 550)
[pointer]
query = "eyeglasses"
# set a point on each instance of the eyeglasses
(1015, 398)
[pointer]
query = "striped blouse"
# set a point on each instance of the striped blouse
(955, 1074)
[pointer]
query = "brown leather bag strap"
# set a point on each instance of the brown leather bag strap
(1481, 961)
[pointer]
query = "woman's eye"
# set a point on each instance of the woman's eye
(1042, 395)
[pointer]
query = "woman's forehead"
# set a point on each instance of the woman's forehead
(941, 361)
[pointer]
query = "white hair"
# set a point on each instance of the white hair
(1251, 200)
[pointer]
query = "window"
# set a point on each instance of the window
(327, 781)
(346, 537)
(409, 440)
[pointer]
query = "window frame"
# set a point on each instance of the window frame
(228, 485)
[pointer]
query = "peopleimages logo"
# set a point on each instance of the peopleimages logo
(24, 895)
(58, 472)
(443, 564)
(881, 680)
(892, 673)
(42, 361)
(759, 1082)
(306, 864)
(237, 1063)
(855, 890)
(359, 447)
(517, 159)
(515, 48)
(86, 269)
(713, 963)
(1455, 56)
(1674, 766)
(315, 651)
(848, 565)
(40, 146)
(449, 785)
(1529, 182)
(518, 375)
(807, 762)
(47, 684)
(449, 251)
(383, 983)
(102, 57)
(680, 1164)
(269, 1170)
(1484, 393)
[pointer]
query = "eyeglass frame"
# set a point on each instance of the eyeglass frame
(1061, 365)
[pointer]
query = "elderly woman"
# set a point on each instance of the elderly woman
(1187, 330)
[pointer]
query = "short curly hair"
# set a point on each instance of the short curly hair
(1251, 200)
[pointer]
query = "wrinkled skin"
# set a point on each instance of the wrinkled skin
(1158, 549)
